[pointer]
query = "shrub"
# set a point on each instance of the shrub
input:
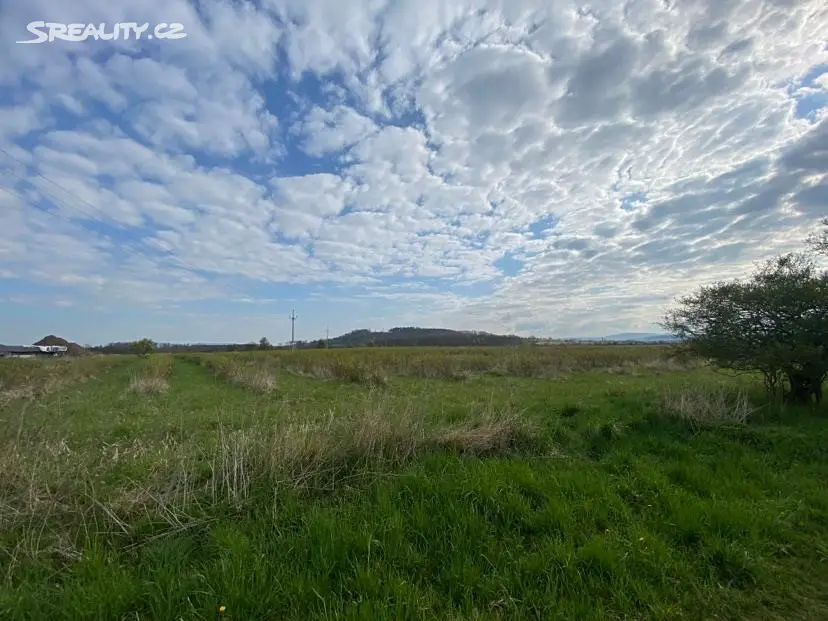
(144, 347)
(776, 323)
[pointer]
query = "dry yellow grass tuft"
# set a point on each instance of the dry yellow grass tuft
(353, 371)
(154, 377)
(493, 433)
(254, 374)
(59, 482)
(148, 385)
(321, 453)
(258, 380)
(704, 406)
(34, 379)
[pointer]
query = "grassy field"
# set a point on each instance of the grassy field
(539, 483)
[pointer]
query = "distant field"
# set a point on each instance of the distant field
(599, 482)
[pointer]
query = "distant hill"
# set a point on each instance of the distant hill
(438, 336)
(395, 337)
(409, 336)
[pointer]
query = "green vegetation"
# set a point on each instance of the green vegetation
(22, 381)
(144, 347)
(528, 482)
(776, 324)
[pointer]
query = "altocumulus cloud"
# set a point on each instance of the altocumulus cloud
(546, 165)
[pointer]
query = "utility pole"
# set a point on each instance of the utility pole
(293, 328)
(327, 338)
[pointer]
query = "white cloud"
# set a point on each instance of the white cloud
(617, 155)
(330, 131)
(327, 35)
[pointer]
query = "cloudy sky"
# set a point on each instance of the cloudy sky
(547, 167)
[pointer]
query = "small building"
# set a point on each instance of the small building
(12, 351)
(35, 351)
(55, 350)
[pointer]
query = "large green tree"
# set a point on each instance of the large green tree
(775, 323)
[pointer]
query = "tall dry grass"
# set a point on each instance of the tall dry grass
(256, 374)
(154, 377)
(27, 379)
(355, 372)
(374, 366)
(704, 407)
(54, 493)
(50, 498)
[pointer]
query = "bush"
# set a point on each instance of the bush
(776, 324)
(144, 347)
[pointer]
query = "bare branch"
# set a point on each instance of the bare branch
(819, 242)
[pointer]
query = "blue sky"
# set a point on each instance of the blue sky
(525, 167)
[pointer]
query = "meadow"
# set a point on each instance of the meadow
(562, 482)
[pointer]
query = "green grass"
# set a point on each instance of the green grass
(591, 483)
